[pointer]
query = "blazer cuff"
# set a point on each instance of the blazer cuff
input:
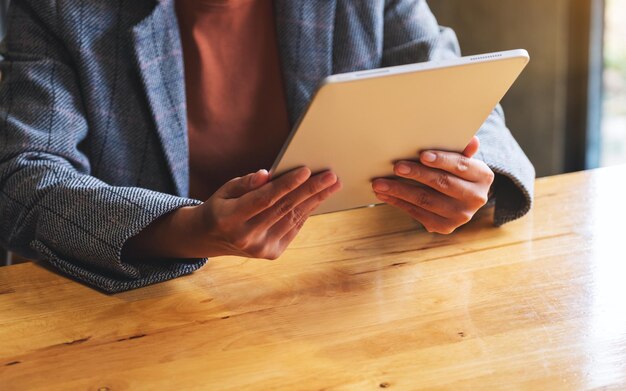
(152, 273)
(96, 261)
(512, 197)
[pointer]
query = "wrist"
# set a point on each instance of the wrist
(165, 237)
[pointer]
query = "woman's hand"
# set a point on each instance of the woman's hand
(456, 186)
(253, 217)
(249, 216)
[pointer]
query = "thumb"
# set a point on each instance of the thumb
(237, 187)
(472, 147)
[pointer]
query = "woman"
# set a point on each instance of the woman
(105, 155)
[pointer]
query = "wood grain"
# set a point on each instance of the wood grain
(363, 300)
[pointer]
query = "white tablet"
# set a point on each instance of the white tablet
(358, 124)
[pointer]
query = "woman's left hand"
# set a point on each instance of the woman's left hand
(456, 187)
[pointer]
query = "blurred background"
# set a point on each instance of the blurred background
(614, 109)
(568, 110)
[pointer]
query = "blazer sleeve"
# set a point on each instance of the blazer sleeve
(51, 208)
(411, 34)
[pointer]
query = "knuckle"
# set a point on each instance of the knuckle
(284, 207)
(442, 180)
(490, 176)
(429, 224)
(298, 226)
(472, 198)
(467, 217)
(440, 228)
(447, 230)
(433, 228)
(462, 163)
(443, 228)
(296, 217)
(482, 199)
(478, 199)
(242, 242)
(463, 218)
(270, 253)
(422, 199)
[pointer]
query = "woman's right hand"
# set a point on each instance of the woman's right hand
(253, 217)
(249, 216)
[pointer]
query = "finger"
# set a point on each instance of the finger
(431, 221)
(286, 205)
(294, 219)
(455, 163)
(441, 181)
(237, 187)
(422, 197)
(290, 226)
(255, 202)
(472, 147)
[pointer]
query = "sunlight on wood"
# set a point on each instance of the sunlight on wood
(364, 300)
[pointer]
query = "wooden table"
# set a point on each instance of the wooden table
(364, 300)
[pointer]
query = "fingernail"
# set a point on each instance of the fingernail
(403, 169)
(381, 186)
(429, 157)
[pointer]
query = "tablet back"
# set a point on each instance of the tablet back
(359, 124)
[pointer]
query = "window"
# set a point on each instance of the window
(614, 105)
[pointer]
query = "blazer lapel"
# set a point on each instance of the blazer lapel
(158, 56)
(305, 42)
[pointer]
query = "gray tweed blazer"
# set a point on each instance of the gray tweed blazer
(93, 133)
